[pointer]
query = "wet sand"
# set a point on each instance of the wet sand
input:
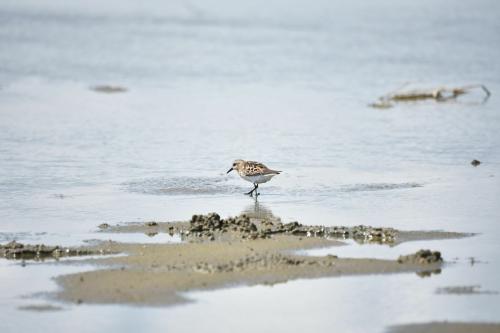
(446, 327)
(155, 274)
(217, 253)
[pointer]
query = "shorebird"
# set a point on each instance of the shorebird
(254, 172)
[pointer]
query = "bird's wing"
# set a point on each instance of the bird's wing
(257, 169)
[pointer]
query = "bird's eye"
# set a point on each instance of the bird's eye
(234, 164)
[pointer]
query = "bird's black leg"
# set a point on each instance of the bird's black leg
(251, 192)
(256, 191)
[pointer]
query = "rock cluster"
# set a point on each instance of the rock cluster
(359, 233)
(212, 225)
(422, 257)
(208, 226)
(370, 234)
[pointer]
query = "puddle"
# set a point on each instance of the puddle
(149, 238)
(336, 303)
(86, 238)
(260, 308)
(452, 249)
(28, 287)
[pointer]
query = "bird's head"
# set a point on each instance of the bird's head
(237, 165)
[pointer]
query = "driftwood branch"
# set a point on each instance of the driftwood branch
(438, 94)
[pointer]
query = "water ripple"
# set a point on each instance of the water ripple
(220, 185)
(184, 186)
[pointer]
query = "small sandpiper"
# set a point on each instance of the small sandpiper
(254, 172)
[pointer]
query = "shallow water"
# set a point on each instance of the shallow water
(286, 83)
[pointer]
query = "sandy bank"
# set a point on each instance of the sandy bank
(235, 251)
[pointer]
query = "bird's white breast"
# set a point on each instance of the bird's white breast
(259, 179)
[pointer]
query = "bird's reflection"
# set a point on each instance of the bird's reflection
(258, 211)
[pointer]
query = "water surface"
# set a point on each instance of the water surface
(286, 83)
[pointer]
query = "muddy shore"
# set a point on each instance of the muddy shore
(40, 252)
(218, 252)
(446, 327)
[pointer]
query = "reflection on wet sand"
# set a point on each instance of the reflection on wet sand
(258, 211)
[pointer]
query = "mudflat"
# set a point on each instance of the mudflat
(218, 252)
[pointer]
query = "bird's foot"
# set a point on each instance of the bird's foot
(253, 190)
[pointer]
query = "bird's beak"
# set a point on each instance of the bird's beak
(228, 171)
